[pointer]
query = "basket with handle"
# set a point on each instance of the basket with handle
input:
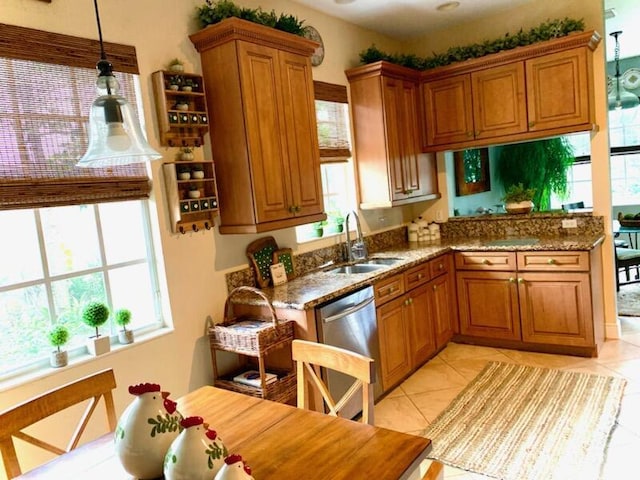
(249, 335)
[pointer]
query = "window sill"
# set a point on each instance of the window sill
(38, 372)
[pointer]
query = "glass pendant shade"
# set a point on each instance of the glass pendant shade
(115, 136)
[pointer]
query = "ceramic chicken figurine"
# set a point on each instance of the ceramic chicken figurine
(145, 431)
(197, 454)
(234, 469)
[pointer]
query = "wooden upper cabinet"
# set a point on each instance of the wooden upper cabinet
(499, 105)
(263, 126)
(449, 117)
(385, 106)
(558, 87)
(531, 92)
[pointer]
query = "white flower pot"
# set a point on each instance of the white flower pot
(176, 68)
(184, 176)
(182, 106)
(197, 174)
(186, 156)
(186, 88)
(59, 359)
(194, 193)
(98, 346)
(174, 87)
(519, 207)
(125, 337)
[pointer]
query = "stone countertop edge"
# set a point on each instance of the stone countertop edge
(313, 289)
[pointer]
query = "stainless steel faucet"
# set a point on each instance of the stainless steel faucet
(358, 250)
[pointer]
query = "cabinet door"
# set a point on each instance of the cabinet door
(558, 90)
(555, 308)
(421, 328)
(499, 105)
(488, 304)
(301, 134)
(265, 126)
(443, 308)
(395, 358)
(448, 110)
(394, 117)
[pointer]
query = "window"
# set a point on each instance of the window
(71, 235)
(336, 166)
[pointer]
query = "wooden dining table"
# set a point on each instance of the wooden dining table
(277, 441)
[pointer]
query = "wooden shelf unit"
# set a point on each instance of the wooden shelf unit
(191, 214)
(180, 128)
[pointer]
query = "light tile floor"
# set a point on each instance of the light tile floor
(420, 398)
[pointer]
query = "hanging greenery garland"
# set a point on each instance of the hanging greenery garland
(545, 31)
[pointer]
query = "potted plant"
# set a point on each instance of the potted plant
(58, 336)
(95, 315)
(197, 172)
(189, 85)
(518, 199)
(186, 154)
(336, 223)
(176, 66)
(181, 104)
(193, 192)
(123, 318)
(183, 173)
(317, 229)
(174, 82)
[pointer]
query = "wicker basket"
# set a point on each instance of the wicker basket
(627, 222)
(249, 341)
(282, 390)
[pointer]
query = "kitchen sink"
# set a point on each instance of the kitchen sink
(512, 242)
(381, 261)
(357, 268)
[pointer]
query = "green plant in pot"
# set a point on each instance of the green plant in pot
(95, 315)
(336, 223)
(318, 229)
(541, 165)
(58, 336)
(176, 66)
(123, 318)
(518, 199)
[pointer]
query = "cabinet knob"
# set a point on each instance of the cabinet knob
(551, 261)
(469, 134)
(420, 276)
(440, 266)
(485, 261)
(532, 124)
(512, 280)
(434, 287)
(520, 280)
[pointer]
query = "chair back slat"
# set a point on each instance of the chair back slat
(309, 356)
(14, 419)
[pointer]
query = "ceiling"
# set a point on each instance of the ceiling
(405, 19)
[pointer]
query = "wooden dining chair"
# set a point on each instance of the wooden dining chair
(15, 419)
(435, 471)
(308, 355)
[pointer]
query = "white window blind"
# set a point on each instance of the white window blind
(47, 89)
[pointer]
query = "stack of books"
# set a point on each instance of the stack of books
(252, 378)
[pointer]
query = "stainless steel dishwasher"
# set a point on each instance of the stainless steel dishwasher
(350, 322)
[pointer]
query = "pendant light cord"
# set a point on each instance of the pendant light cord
(103, 56)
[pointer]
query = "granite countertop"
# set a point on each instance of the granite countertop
(315, 288)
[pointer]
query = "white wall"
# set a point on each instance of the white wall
(193, 264)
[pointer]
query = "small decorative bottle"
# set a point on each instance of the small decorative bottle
(197, 454)
(145, 430)
(234, 469)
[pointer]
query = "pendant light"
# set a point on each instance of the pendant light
(115, 136)
(619, 98)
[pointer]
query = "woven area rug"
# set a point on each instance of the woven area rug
(629, 300)
(516, 422)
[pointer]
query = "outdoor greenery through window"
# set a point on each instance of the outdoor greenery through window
(71, 235)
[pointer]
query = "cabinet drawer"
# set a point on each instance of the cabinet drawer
(389, 289)
(505, 261)
(417, 276)
(553, 261)
(440, 266)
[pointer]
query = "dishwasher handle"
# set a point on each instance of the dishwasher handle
(349, 311)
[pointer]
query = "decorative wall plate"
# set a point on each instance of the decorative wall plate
(631, 79)
(312, 34)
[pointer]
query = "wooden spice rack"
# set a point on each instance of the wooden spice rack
(180, 127)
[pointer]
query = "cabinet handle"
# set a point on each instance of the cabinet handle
(512, 280)
(434, 287)
(485, 261)
(298, 208)
(551, 261)
(520, 280)
(420, 276)
(469, 134)
(477, 133)
(532, 124)
(440, 266)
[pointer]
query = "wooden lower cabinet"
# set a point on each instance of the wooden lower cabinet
(544, 303)
(488, 304)
(393, 335)
(556, 308)
(421, 325)
(443, 308)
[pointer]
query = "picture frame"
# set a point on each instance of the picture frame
(472, 171)
(285, 256)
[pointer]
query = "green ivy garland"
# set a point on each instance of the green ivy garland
(545, 31)
(215, 11)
